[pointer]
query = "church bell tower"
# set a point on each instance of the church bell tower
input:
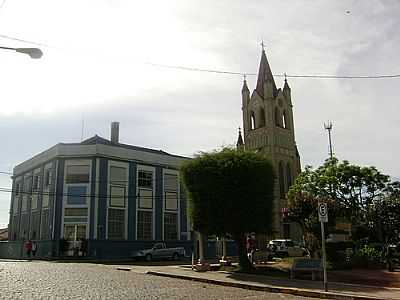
(268, 127)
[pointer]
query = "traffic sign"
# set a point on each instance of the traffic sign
(323, 212)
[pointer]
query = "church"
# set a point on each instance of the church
(268, 127)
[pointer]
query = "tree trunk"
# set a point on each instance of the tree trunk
(244, 262)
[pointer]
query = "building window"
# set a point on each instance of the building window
(261, 117)
(117, 196)
(285, 120)
(171, 201)
(45, 200)
(170, 182)
(252, 121)
(17, 189)
(15, 205)
(76, 212)
(170, 226)
(78, 174)
(48, 177)
(36, 183)
(24, 203)
(117, 203)
(145, 179)
(171, 207)
(27, 185)
(116, 224)
(74, 232)
(145, 199)
(145, 225)
(118, 175)
(76, 195)
(45, 231)
(277, 117)
(34, 202)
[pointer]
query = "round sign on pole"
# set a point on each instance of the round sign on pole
(323, 212)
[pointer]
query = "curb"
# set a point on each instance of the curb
(270, 289)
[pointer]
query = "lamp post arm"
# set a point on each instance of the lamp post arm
(32, 52)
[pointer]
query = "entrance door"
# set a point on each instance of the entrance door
(74, 234)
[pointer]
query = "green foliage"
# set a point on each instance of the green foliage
(385, 215)
(352, 193)
(368, 257)
(230, 192)
(339, 254)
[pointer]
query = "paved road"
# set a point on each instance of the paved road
(51, 280)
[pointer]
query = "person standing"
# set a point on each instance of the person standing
(28, 248)
(34, 248)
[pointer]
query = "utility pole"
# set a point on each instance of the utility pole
(328, 126)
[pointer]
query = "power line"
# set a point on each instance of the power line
(6, 173)
(22, 40)
(216, 71)
(101, 196)
(194, 69)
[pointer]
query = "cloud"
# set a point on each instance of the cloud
(96, 70)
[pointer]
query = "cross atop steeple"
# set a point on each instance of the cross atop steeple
(285, 76)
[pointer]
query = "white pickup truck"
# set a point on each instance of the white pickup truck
(160, 251)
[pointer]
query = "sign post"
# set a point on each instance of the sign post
(323, 218)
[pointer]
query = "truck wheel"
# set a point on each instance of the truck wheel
(148, 257)
(175, 256)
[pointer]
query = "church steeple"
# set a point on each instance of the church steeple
(239, 143)
(286, 89)
(265, 76)
(245, 92)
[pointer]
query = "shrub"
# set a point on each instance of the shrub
(368, 257)
(338, 254)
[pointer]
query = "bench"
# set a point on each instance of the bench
(307, 265)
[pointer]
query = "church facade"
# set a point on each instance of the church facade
(268, 126)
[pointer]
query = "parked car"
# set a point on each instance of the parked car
(262, 256)
(286, 247)
(160, 251)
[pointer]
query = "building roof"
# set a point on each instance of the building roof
(265, 74)
(100, 140)
(98, 146)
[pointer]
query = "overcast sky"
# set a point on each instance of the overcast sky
(94, 67)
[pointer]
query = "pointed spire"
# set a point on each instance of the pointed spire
(240, 143)
(245, 87)
(286, 85)
(264, 74)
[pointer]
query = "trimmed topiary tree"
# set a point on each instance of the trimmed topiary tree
(230, 192)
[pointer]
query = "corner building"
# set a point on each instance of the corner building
(269, 128)
(115, 197)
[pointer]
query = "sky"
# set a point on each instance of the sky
(97, 67)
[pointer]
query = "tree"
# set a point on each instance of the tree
(230, 192)
(384, 218)
(351, 192)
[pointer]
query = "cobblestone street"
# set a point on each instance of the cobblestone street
(52, 280)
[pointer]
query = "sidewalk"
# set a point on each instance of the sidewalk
(305, 288)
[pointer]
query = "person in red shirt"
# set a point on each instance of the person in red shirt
(28, 248)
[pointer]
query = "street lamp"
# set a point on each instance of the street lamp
(32, 52)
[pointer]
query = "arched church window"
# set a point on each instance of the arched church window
(285, 120)
(261, 117)
(277, 117)
(281, 180)
(252, 121)
(289, 178)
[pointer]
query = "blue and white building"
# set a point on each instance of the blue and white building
(115, 197)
